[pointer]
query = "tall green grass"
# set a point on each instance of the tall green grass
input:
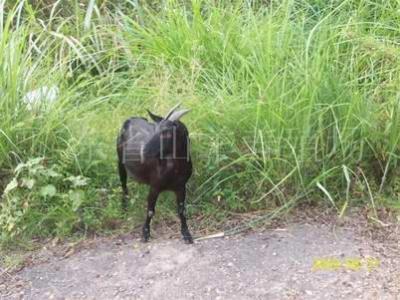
(290, 100)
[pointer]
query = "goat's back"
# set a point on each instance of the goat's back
(134, 135)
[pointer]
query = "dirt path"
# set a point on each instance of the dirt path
(280, 263)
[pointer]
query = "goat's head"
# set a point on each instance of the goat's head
(170, 136)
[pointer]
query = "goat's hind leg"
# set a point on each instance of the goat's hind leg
(151, 205)
(123, 176)
(180, 197)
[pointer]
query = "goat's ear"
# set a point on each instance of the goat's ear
(154, 117)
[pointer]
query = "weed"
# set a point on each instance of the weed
(290, 99)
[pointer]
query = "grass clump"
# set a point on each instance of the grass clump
(290, 100)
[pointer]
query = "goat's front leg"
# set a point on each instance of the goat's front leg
(180, 197)
(151, 205)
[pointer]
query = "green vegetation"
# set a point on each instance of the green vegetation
(292, 101)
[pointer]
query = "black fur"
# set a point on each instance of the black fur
(156, 154)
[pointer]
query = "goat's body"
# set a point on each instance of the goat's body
(169, 172)
(166, 173)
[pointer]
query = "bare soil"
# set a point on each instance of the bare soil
(300, 259)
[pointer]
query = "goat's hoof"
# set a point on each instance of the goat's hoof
(188, 239)
(145, 235)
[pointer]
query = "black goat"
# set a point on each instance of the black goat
(156, 154)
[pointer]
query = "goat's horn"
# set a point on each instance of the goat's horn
(176, 115)
(171, 111)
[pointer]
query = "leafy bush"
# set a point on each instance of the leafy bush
(42, 200)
